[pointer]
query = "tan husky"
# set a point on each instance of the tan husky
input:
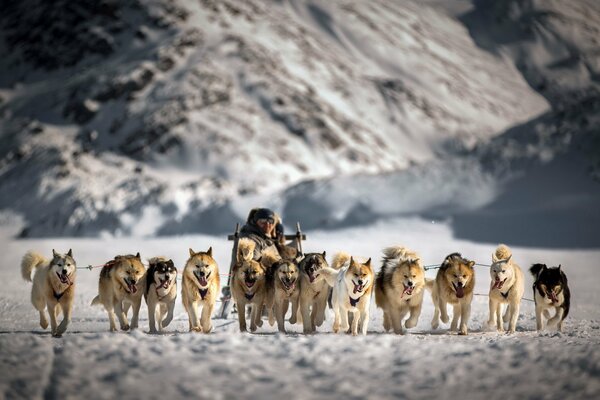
(200, 287)
(53, 287)
(399, 288)
(507, 287)
(161, 292)
(453, 284)
(283, 288)
(121, 285)
(314, 290)
(248, 285)
(351, 293)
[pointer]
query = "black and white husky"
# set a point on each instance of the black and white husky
(550, 290)
(161, 292)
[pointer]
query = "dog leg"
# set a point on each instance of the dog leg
(43, 319)
(364, 320)
(152, 315)
(507, 314)
(387, 323)
(556, 318)
(443, 311)
(514, 316)
(294, 317)
(206, 322)
(355, 321)
(281, 309)
(118, 307)
(415, 312)
(255, 315)
(455, 317)
(52, 311)
(539, 318)
(465, 313)
(499, 317)
(194, 319)
(242, 316)
(67, 308)
(170, 308)
(321, 305)
(306, 318)
(136, 313)
(344, 325)
(493, 313)
(396, 316)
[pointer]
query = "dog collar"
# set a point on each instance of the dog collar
(203, 292)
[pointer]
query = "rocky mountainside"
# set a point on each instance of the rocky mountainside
(172, 116)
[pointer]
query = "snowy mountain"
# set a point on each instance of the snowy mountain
(160, 117)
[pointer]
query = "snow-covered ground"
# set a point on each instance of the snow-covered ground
(89, 362)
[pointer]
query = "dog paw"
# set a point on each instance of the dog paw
(445, 319)
(463, 330)
(435, 324)
(207, 329)
(44, 323)
(410, 323)
(125, 327)
(56, 334)
(259, 323)
(292, 320)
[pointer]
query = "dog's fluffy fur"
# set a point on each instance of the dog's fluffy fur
(53, 287)
(399, 288)
(507, 287)
(248, 284)
(550, 291)
(200, 288)
(351, 293)
(453, 284)
(121, 285)
(283, 288)
(161, 292)
(314, 290)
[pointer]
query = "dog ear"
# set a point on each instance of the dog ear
(351, 260)
(54, 253)
(209, 251)
(494, 258)
(470, 264)
(138, 256)
(192, 253)
(508, 259)
(559, 267)
(324, 254)
(70, 253)
(368, 263)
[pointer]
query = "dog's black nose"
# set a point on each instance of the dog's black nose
(201, 273)
(64, 271)
(460, 284)
(410, 283)
(360, 282)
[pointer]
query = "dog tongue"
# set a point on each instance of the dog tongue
(498, 284)
(357, 288)
(203, 281)
(460, 292)
(132, 288)
(553, 297)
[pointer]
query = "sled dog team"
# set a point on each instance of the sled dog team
(306, 283)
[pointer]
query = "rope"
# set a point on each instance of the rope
(437, 266)
(487, 295)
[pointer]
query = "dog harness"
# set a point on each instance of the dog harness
(505, 295)
(249, 296)
(58, 296)
(353, 302)
(203, 292)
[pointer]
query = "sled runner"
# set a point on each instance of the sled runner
(226, 301)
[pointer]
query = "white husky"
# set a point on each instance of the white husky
(53, 286)
(351, 293)
(507, 287)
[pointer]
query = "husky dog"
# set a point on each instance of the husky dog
(200, 287)
(314, 290)
(550, 290)
(161, 292)
(53, 286)
(121, 285)
(283, 288)
(248, 284)
(507, 287)
(453, 284)
(399, 288)
(351, 293)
